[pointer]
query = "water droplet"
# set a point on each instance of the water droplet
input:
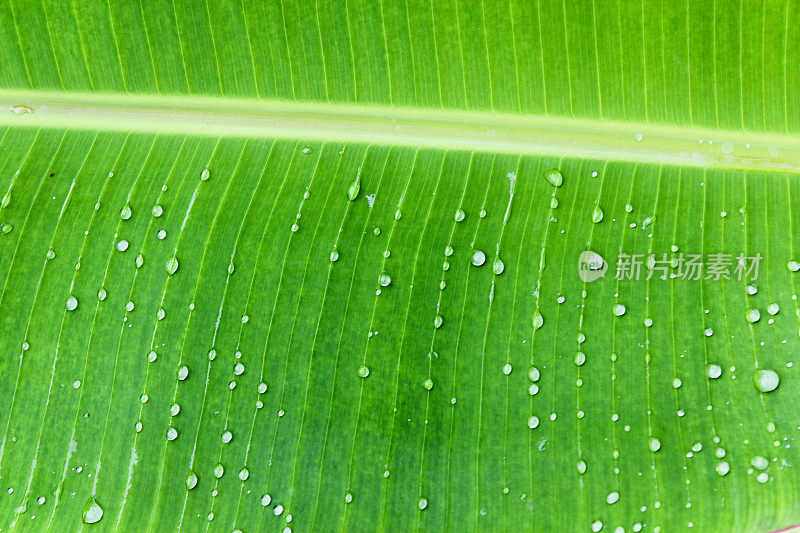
(676, 383)
(6, 200)
(753, 315)
(295, 227)
(125, 214)
(306, 150)
(580, 358)
(766, 380)
(152, 356)
(172, 434)
(597, 525)
(713, 371)
(554, 177)
(428, 384)
(384, 280)
(612, 498)
(174, 409)
(794, 266)
(581, 466)
(654, 444)
(773, 309)
(171, 265)
(478, 258)
(482, 213)
(422, 503)
(398, 215)
(334, 256)
(759, 462)
(498, 267)
(226, 437)
(553, 202)
(348, 498)
(262, 388)
(352, 191)
(597, 215)
(158, 210)
(278, 510)
(460, 215)
(92, 512)
(619, 309)
(507, 369)
(72, 303)
(205, 174)
(219, 470)
(162, 234)
(265, 500)
(76, 384)
(122, 245)
(533, 422)
(763, 477)
(191, 480)
(363, 371)
(437, 322)
(244, 473)
(183, 373)
(21, 109)
(723, 468)
(538, 319)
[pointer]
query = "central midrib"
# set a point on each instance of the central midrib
(446, 129)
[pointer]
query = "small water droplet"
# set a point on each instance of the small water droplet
(723, 468)
(773, 309)
(619, 309)
(125, 214)
(157, 210)
(205, 174)
(478, 258)
(538, 319)
(183, 373)
(265, 500)
(597, 215)
(172, 434)
(334, 256)
(428, 384)
(384, 280)
(244, 473)
(218, 470)
(72, 303)
(363, 371)
(507, 369)
(533, 422)
(794, 266)
(422, 503)
(753, 315)
(437, 322)
(460, 215)
(122, 245)
(612, 498)
(713, 371)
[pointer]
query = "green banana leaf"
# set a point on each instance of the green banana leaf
(353, 265)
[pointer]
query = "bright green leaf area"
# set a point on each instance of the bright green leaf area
(304, 264)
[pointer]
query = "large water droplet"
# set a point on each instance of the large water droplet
(554, 177)
(191, 480)
(619, 309)
(478, 258)
(713, 371)
(654, 444)
(498, 267)
(753, 315)
(538, 319)
(171, 265)
(352, 191)
(766, 380)
(92, 512)
(384, 280)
